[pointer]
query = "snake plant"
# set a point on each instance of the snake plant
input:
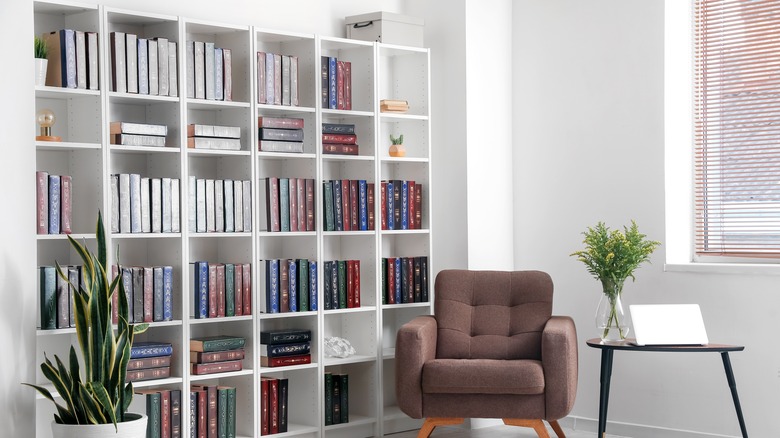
(95, 392)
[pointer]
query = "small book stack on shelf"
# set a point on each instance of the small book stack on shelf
(144, 205)
(404, 280)
(213, 411)
(280, 134)
(228, 347)
(281, 348)
(393, 106)
(221, 289)
(401, 207)
(220, 205)
(336, 83)
(277, 79)
(274, 405)
(54, 203)
(339, 139)
(56, 296)
(163, 412)
(137, 134)
(288, 203)
(289, 285)
(143, 65)
(341, 284)
(214, 137)
(149, 369)
(209, 71)
(336, 398)
(72, 59)
(348, 205)
(149, 291)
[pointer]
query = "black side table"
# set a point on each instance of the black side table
(608, 350)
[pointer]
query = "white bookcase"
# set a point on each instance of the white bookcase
(379, 71)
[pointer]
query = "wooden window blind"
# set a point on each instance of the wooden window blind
(737, 128)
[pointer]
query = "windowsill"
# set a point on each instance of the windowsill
(724, 268)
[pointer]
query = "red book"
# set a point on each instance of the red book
(339, 138)
(66, 204)
(391, 280)
(148, 362)
(148, 374)
(202, 412)
(411, 207)
(272, 204)
(350, 284)
(247, 276)
(284, 286)
(356, 273)
(340, 85)
(340, 149)
(215, 356)
(264, 420)
(220, 290)
(148, 294)
(238, 285)
(310, 205)
(212, 414)
(165, 414)
(370, 196)
(283, 361)
(279, 122)
(301, 194)
(273, 406)
(383, 205)
(212, 290)
(347, 85)
(418, 205)
(200, 369)
(42, 201)
(293, 196)
(345, 205)
(354, 201)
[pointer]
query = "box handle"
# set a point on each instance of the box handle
(362, 25)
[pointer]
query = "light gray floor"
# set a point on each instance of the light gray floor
(494, 432)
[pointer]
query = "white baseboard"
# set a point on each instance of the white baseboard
(618, 429)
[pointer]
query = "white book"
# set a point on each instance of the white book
(229, 212)
(173, 70)
(247, 205)
(118, 68)
(201, 206)
(92, 61)
(191, 204)
(218, 75)
(211, 219)
(124, 202)
(227, 74)
(285, 80)
(81, 60)
(200, 70)
(162, 64)
(114, 203)
(131, 48)
(263, 219)
(146, 206)
(209, 71)
(143, 66)
(219, 205)
(190, 55)
(294, 80)
(156, 192)
(166, 205)
(175, 196)
(154, 83)
(238, 205)
(269, 78)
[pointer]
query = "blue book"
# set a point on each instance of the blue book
(201, 283)
(284, 204)
(303, 284)
(218, 80)
(68, 58)
(363, 207)
(330, 219)
(404, 205)
(334, 284)
(54, 204)
(150, 349)
(332, 83)
(272, 286)
(48, 298)
(167, 293)
(397, 291)
(269, 78)
(312, 285)
(127, 281)
(390, 217)
(292, 275)
(337, 210)
(327, 290)
(158, 294)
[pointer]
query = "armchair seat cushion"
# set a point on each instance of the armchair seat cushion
(483, 376)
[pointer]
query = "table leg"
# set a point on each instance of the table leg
(733, 386)
(606, 376)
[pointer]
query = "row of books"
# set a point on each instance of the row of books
(149, 291)
(143, 65)
(137, 134)
(216, 354)
(214, 137)
(151, 360)
(277, 79)
(338, 138)
(348, 205)
(341, 288)
(72, 59)
(218, 205)
(144, 205)
(54, 203)
(274, 405)
(221, 289)
(336, 83)
(280, 134)
(401, 205)
(213, 411)
(285, 347)
(288, 203)
(163, 412)
(209, 71)
(336, 398)
(404, 280)
(290, 285)
(56, 296)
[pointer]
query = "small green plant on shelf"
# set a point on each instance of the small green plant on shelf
(397, 148)
(40, 48)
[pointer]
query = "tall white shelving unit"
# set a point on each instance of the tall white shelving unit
(379, 71)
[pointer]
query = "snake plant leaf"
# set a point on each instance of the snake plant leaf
(140, 328)
(52, 374)
(101, 395)
(62, 410)
(74, 366)
(93, 410)
(64, 374)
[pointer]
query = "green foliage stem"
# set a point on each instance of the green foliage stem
(40, 48)
(397, 140)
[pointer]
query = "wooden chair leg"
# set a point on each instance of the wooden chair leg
(557, 428)
(537, 425)
(431, 423)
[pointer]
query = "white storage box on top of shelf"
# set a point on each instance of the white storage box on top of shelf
(386, 27)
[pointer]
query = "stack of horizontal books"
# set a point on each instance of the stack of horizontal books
(149, 360)
(285, 347)
(137, 134)
(216, 354)
(214, 137)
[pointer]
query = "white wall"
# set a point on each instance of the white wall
(589, 146)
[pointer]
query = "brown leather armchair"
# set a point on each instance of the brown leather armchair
(492, 349)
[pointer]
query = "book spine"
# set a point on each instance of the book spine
(238, 206)
(269, 79)
(285, 337)
(411, 208)
(339, 138)
(397, 190)
(213, 413)
(229, 208)
(148, 288)
(280, 122)
(92, 54)
(63, 304)
(281, 134)
(148, 374)
(230, 291)
(149, 362)
(153, 415)
(193, 414)
(42, 201)
(142, 351)
(357, 282)
(189, 50)
(397, 280)
(167, 213)
(203, 416)
(390, 205)
(146, 216)
(165, 414)
(54, 204)
(138, 294)
(247, 288)
(154, 67)
(212, 291)
(338, 128)
(424, 279)
(220, 290)
(344, 387)
(327, 291)
(313, 286)
(66, 202)
(277, 79)
(328, 399)
(69, 75)
(238, 277)
(334, 284)
(118, 70)
(156, 192)
(167, 293)
(114, 183)
(404, 205)
(157, 285)
(327, 197)
(391, 280)
(340, 85)
(371, 196)
(340, 149)
(347, 85)
(227, 75)
(219, 205)
(77, 280)
(294, 80)
(217, 356)
(342, 284)
(417, 279)
(409, 279)
(346, 209)
(270, 350)
(301, 193)
(418, 206)
(201, 288)
(231, 412)
(354, 205)
(324, 82)
(273, 406)
(350, 278)
(219, 81)
(175, 413)
(127, 284)
(143, 65)
(261, 77)
(293, 196)
(264, 408)
(332, 83)
(200, 69)
(131, 52)
(292, 281)
(210, 71)
(247, 205)
(303, 285)
(173, 69)
(310, 205)
(285, 361)
(362, 205)
(48, 297)
(384, 280)
(175, 214)
(222, 412)
(286, 86)
(283, 400)
(284, 204)
(219, 344)
(284, 287)
(336, 394)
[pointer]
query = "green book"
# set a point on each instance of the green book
(230, 289)
(384, 280)
(344, 380)
(216, 343)
(330, 220)
(222, 408)
(153, 414)
(231, 412)
(342, 274)
(284, 204)
(328, 399)
(336, 396)
(303, 285)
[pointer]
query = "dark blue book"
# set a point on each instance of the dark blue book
(167, 293)
(337, 205)
(54, 203)
(127, 281)
(48, 298)
(201, 283)
(327, 296)
(283, 404)
(292, 349)
(150, 349)
(303, 285)
(284, 204)
(332, 79)
(176, 413)
(338, 128)
(292, 284)
(390, 218)
(330, 220)
(397, 275)
(68, 58)
(363, 207)
(424, 278)
(158, 293)
(404, 205)
(404, 280)
(272, 286)
(313, 305)
(334, 284)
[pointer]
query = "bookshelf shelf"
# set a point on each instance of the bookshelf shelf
(336, 361)
(403, 232)
(285, 156)
(64, 93)
(282, 110)
(217, 153)
(130, 236)
(139, 99)
(268, 370)
(395, 116)
(66, 146)
(404, 160)
(46, 237)
(242, 373)
(203, 104)
(157, 382)
(354, 420)
(287, 315)
(336, 158)
(361, 309)
(121, 149)
(403, 306)
(346, 114)
(348, 233)
(270, 234)
(218, 235)
(56, 332)
(194, 321)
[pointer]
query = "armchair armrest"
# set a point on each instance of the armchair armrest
(415, 344)
(559, 360)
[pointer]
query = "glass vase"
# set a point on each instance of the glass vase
(611, 319)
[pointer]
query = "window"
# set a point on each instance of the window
(736, 108)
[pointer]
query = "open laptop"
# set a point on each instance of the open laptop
(668, 324)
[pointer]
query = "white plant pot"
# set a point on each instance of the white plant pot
(134, 427)
(40, 71)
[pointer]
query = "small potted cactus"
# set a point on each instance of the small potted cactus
(397, 148)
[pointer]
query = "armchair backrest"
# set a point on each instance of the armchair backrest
(491, 314)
